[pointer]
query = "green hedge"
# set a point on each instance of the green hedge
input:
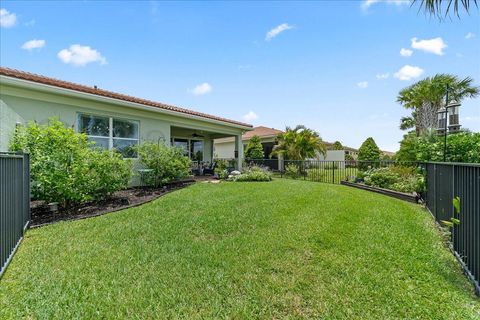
(65, 167)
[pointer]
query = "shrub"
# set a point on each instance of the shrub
(221, 168)
(461, 147)
(254, 149)
(398, 178)
(167, 163)
(65, 168)
(254, 174)
(368, 152)
(107, 172)
(292, 171)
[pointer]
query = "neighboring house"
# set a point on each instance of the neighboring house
(338, 155)
(225, 148)
(110, 119)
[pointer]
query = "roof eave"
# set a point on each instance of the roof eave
(74, 93)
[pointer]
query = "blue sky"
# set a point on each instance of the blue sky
(332, 66)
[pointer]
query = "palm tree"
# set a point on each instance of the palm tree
(426, 97)
(299, 143)
(442, 8)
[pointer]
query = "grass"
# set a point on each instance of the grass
(281, 249)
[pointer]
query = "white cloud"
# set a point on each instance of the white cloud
(277, 30)
(250, 116)
(435, 45)
(383, 75)
(202, 89)
(362, 84)
(470, 35)
(7, 19)
(368, 3)
(79, 55)
(33, 44)
(406, 52)
(408, 72)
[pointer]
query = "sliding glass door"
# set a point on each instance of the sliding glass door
(191, 148)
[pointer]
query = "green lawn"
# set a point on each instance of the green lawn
(281, 249)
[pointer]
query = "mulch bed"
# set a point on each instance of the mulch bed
(120, 200)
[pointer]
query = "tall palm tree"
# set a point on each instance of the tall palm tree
(426, 97)
(442, 8)
(299, 143)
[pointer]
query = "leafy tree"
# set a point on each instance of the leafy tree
(368, 151)
(442, 8)
(299, 143)
(337, 145)
(254, 148)
(408, 148)
(426, 97)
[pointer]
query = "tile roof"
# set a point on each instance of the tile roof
(261, 131)
(13, 73)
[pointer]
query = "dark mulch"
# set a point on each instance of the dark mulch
(120, 200)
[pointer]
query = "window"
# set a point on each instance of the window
(191, 148)
(196, 150)
(111, 133)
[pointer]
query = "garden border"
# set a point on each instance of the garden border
(391, 193)
(177, 186)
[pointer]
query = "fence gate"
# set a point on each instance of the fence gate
(14, 203)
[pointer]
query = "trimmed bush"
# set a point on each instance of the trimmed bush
(167, 163)
(368, 151)
(254, 149)
(65, 167)
(254, 174)
(292, 171)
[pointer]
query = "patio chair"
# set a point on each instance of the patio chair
(209, 169)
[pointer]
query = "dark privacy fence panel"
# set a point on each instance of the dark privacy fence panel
(14, 203)
(446, 181)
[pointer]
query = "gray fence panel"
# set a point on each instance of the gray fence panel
(14, 203)
(445, 181)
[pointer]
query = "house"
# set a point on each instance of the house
(112, 120)
(224, 148)
(347, 153)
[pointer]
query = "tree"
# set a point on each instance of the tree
(441, 8)
(299, 143)
(254, 149)
(337, 145)
(426, 97)
(369, 152)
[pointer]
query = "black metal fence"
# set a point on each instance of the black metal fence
(445, 181)
(14, 203)
(323, 171)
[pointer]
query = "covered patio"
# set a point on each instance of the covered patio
(197, 144)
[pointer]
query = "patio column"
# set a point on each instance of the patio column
(239, 151)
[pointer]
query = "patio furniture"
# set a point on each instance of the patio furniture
(209, 169)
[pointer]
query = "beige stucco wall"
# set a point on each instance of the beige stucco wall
(225, 150)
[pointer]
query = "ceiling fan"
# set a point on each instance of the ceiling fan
(196, 135)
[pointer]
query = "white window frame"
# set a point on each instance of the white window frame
(110, 129)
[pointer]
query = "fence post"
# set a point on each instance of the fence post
(333, 172)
